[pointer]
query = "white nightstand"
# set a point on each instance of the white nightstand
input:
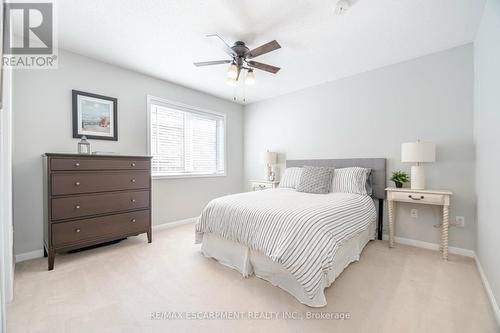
(426, 197)
(258, 185)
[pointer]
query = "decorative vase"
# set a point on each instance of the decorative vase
(398, 184)
(83, 146)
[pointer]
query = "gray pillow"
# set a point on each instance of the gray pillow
(315, 180)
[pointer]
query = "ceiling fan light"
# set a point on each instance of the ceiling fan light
(250, 78)
(232, 71)
(231, 82)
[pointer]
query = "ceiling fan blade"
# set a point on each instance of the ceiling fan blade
(268, 47)
(264, 67)
(224, 45)
(209, 63)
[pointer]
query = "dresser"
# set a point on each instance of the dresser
(93, 199)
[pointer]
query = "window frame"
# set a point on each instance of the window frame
(187, 108)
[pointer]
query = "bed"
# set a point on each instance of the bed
(300, 242)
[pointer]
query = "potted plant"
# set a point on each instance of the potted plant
(400, 177)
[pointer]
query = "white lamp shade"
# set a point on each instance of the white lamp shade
(269, 157)
(418, 152)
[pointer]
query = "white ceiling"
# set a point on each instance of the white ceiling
(163, 38)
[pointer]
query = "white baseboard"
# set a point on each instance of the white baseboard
(489, 291)
(431, 246)
(29, 255)
(39, 253)
(174, 224)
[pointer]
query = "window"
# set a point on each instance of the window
(185, 141)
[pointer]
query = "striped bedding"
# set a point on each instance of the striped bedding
(301, 231)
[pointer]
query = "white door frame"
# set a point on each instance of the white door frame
(6, 226)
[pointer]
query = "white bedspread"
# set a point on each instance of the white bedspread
(301, 231)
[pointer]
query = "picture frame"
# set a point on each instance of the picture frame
(94, 116)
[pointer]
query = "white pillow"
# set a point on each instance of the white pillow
(350, 180)
(291, 178)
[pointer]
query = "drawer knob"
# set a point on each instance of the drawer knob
(77, 207)
(132, 164)
(133, 200)
(133, 220)
(77, 164)
(132, 180)
(412, 198)
(77, 230)
(77, 183)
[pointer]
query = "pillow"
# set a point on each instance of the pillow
(351, 180)
(369, 181)
(315, 180)
(291, 178)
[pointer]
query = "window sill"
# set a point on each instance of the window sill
(188, 176)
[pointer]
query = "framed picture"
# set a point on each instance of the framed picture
(94, 116)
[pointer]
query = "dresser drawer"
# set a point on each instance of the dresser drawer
(426, 198)
(65, 233)
(85, 163)
(84, 205)
(75, 183)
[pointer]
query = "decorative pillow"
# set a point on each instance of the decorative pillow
(291, 178)
(369, 186)
(315, 180)
(351, 180)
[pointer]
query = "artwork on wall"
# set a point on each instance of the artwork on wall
(94, 116)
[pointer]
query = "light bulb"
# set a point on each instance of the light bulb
(232, 71)
(250, 78)
(231, 82)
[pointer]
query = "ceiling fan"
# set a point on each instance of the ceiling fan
(241, 57)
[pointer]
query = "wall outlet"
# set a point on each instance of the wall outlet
(459, 221)
(414, 213)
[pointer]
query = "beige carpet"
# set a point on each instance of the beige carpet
(116, 288)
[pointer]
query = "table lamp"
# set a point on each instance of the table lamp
(418, 152)
(269, 158)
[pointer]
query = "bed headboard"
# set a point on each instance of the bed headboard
(378, 175)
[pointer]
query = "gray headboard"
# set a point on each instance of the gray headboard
(378, 175)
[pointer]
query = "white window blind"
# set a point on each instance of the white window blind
(184, 141)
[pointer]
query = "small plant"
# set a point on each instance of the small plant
(399, 178)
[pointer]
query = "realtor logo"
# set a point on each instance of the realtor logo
(29, 35)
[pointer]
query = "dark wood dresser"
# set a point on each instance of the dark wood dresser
(92, 199)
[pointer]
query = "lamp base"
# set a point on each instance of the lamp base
(417, 177)
(267, 171)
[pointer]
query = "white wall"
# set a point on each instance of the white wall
(42, 123)
(486, 133)
(370, 115)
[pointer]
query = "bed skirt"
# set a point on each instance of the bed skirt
(248, 262)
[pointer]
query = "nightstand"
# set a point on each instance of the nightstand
(258, 185)
(425, 197)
